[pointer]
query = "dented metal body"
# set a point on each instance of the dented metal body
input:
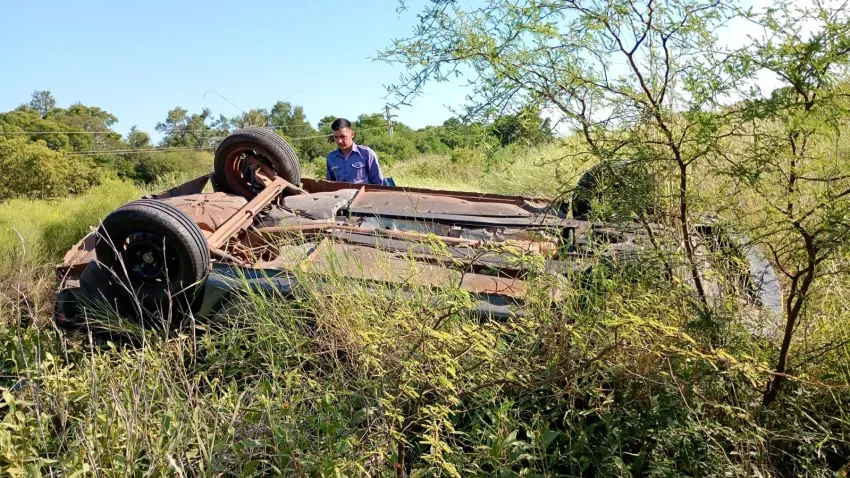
(375, 234)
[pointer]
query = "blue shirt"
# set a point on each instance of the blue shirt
(360, 167)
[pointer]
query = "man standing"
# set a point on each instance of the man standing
(351, 163)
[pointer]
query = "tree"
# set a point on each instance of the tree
(42, 101)
(291, 123)
(610, 68)
(77, 128)
(91, 119)
(788, 165)
(32, 169)
(28, 120)
(200, 131)
(138, 139)
(325, 123)
(252, 117)
(525, 126)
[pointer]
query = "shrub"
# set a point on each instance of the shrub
(464, 156)
(32, 170)
(151, 166)
(392, 148)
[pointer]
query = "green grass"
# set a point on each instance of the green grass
(623, 377)
(41, 231)
(533, 172)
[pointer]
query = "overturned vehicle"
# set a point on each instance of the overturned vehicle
(254, 222)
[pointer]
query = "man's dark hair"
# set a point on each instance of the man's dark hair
(340, 123)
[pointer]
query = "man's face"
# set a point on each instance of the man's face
(344, 138)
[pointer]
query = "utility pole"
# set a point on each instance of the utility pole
(389, 121)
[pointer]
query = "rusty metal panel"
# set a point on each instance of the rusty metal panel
(362, 262)
(77, 258)
(538, 220)
(425, 252)
(371, 264)
(83, 251)
(316, 186)
(404, 203)
(194, 186)
(208, 211)
(483, 284)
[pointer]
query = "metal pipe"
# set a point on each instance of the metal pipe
(222, 255)
(244, 217)
(274, 230)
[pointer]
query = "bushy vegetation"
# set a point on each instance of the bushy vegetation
(622, 377)
(32, 169)
(75, 148)
(619, 378)
(629, 374)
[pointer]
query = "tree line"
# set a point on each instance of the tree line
(48, 151)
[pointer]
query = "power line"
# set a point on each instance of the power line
(174, 131)
(186, 148)
(130, 151)
(212, 130)
(57, 132)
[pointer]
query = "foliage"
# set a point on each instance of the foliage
(629, 373)
(618, 378)
(607, 68)
(291, 122)
(789, 167)
(524, 127)
(42, 231)
(138, 139)
(42, 101)
(88, 129)
(604, 383)
(32, 169)
(54, 130)
(199, 130)
(149, 167)
(644, 83)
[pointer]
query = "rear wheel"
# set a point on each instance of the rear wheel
(240, 155)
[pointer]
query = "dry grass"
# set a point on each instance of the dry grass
(623, 376)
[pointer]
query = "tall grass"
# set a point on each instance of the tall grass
(622, 377)
(41, 231)
(514, 170)
(35, 235)
(345, 382)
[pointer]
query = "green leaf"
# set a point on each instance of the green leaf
(548, 437)
(250, 468)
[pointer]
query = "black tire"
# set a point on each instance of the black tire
(161, 252)
(626, 184)
(263, 143)
(581, 204)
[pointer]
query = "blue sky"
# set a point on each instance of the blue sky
(137, 60)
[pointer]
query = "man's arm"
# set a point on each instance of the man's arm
(375, 176)
(328, 174)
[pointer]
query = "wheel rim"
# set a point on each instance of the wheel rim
(238, 173)
(147, 261)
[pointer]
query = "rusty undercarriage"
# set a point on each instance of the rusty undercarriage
(263, 225)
